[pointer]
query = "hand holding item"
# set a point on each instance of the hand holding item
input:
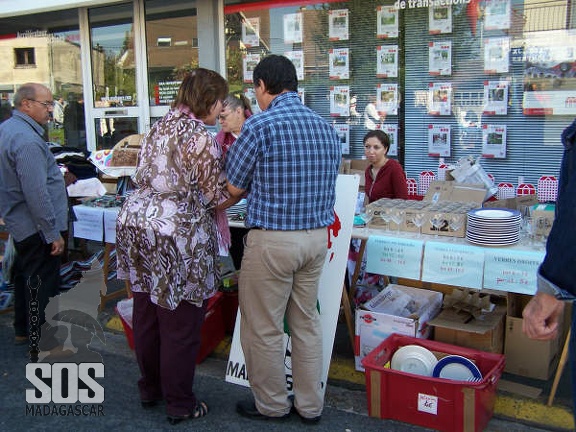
(541, 317)
(57, 247)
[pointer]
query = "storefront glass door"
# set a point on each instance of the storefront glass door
(172, 49)
(114, 64)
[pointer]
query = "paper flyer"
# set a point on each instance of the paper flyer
(387, 99)
(386, 22)
(301, 95)
(343, 131)
(453, 264)
(440, 58)
(440, 20)
(339, 61)
(110, 216)
(293, 28)
(297, 59)
(493, 141)
(89, 223)
(512, 271)
(496, 54)
(251, 32)
(340, 101)
(549, 80)
(394, 256)
(251, 96)
(438, 140)
(440, 98)
(249, 62)
(496, 14)
(387, 61)
(495, 98)
(338, 24)
(392, 132)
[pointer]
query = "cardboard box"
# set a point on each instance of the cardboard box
(453, 191)
(543, 218)
(435, 403)
(484, 334)
(438, 199)
(373, 327)
(448, 192)
(519, 203)
(355, 166)
(527, 357)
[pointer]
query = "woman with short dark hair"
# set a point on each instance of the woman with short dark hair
(167, 243)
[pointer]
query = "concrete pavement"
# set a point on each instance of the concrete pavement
(345, 399)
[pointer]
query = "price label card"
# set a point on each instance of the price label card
(512, 270)
(394, 256)
(453, 264)
(88, 224)
(110, 216)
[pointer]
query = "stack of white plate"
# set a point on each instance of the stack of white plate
(414, 359)
(493, 226)
(238, 209)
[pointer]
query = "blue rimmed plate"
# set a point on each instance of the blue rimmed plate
(457, 368)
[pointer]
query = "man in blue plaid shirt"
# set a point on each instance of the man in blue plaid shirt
(286, 159)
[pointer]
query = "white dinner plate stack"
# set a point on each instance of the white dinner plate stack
(493, 226)
(238, 209)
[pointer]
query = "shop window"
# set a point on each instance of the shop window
(164, 42)
(25, 57)
(169, 57)
(491, 79)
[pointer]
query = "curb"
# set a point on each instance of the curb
(532, 412)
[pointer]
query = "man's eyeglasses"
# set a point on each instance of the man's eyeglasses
(46, 104)
(222, 117)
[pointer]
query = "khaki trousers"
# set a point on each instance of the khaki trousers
(279, 279)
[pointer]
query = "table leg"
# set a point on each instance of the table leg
(108, 248)
(559, 369)
(348, 314)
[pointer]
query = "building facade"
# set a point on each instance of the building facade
(446, 79)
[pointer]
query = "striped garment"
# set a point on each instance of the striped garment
(32, 191)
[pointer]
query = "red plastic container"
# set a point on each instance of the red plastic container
(435, 403)
(212, 330)
(229, 310)
(127, 331)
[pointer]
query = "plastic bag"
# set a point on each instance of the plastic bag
(124, 309)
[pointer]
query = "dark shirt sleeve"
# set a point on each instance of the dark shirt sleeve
(557, 274)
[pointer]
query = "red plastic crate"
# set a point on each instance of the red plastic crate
(229, 310)
(434, 403)
(212, 330)
(127, 331)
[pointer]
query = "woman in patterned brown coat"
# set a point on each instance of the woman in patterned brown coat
(167, 243)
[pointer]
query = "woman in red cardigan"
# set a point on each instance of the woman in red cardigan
(385, 177)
